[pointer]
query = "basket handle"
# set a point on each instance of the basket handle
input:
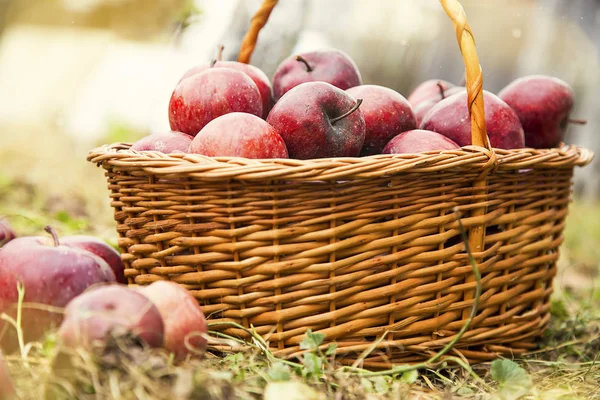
(474, 78)
(256, 24)
(466, 44)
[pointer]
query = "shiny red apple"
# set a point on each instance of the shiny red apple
(101, 249)
(239, 135)
(105, 310)
(543, 104)
(418, 140)
(316, 120)
(429, 90)
(332, 66)
(256, 74)
(182, 316)
(165, 142)
(421, 109)
(52, 274)
(204, 96)
(450, 117)
(387, 113)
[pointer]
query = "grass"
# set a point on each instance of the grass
(45, 180)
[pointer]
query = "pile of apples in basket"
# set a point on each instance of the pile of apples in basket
(317, 107)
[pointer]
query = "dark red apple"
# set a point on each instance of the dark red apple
(239, 135)
(543, 104)
(202, 97)
(6, 232)
(418, 140)
(256, 74)
(421, 109)
(7, 387)
(318, 120)
(450, 117)
(165, 142)
(105, 310)
(331, 66)
(387, 113)
(101, 249)
(182, 316)
(52, 274)
(429, 90)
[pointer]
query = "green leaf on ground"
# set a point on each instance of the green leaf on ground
(312, 341)
(410, 376)
(279, 372)
(513, 381)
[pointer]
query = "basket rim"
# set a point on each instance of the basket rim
(466, 159)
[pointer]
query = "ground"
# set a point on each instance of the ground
(44, 179)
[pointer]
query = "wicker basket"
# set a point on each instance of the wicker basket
(355, 248)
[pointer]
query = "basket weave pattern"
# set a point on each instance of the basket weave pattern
(353, 248)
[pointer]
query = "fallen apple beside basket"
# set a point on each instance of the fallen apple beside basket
(355, 248)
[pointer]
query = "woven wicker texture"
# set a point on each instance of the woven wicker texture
(355, 248)
(350, 247)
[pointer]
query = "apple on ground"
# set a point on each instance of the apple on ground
(6, 232)
(204, 96)
(332, 66)
(418, 140)
(7, 387)
(101, 249)
(52, 274)
(256, 74)
(165, 142)
(182, 317)
(429, 90)
(387, 113)
(421, 109)
(317, 120)
(450, 117)
(543, 104)
(109, 310)
(239, 135)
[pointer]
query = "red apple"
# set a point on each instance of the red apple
(6, 232)
(256, 74)
(450, 117)
(182, 316)
(543, 104)
(7, 387)
(421, 109)
(196, 70)
(101, 249)
(331, 66)
(418, 140)
(202, 97)
(387, 113)
(318, 120)
(52, 274)
(239, 135)
(165, 142)
(112, 309)
(429, 90)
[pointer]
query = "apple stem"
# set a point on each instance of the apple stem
(220, 52)
(213, 62)
(441, 87)
(336, 119)
(52, 232)
(577, 121)
(305, 62)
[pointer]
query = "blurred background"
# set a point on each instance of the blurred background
(75, 74)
